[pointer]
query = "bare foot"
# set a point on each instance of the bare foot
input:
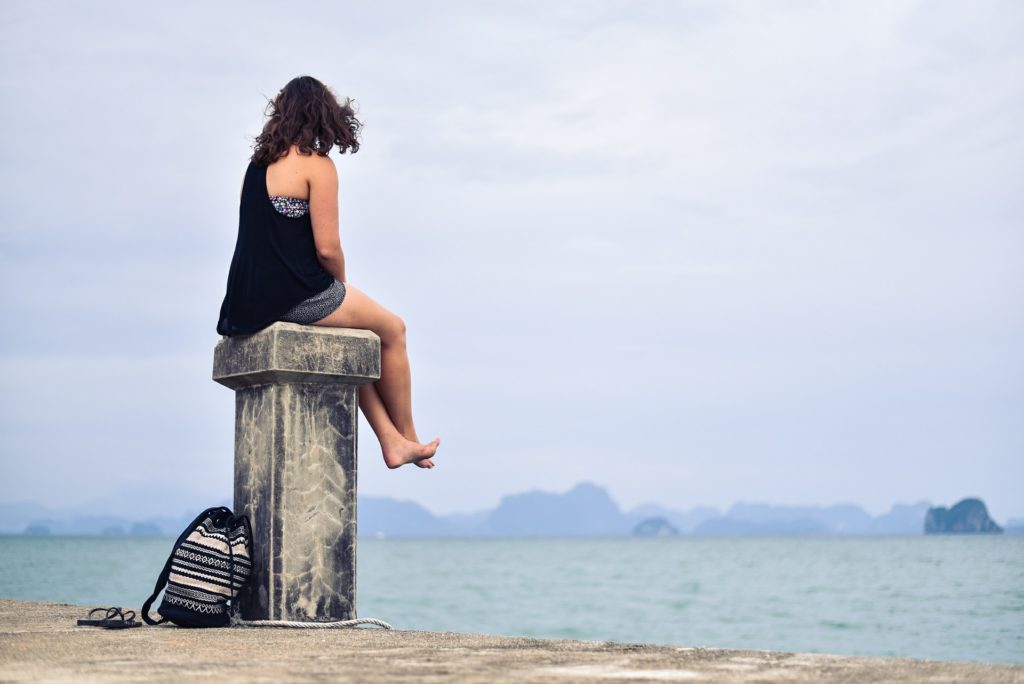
(429, 462)
(402, 451)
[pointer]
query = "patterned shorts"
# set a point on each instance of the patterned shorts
(318, 306)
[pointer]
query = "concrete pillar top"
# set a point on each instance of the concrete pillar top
(289, 352)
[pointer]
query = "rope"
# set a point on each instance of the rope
(238, 622)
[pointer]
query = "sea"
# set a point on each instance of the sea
(938, 597)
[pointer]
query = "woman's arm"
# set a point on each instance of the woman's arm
(323, 211)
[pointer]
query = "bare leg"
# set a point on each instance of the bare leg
(396, 388)
(389, 407)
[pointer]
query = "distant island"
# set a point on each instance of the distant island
(969, 516)
(655, 527)
(586, 510)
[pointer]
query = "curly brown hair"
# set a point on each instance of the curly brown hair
(306, 113)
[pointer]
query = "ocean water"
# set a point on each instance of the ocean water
(947, 598)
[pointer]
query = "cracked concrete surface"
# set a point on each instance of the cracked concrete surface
(40, 642)
(296, 423)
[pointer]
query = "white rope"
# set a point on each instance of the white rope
(238, 622)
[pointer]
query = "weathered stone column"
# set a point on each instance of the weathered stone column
(296, 392)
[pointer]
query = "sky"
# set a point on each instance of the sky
(694, 252)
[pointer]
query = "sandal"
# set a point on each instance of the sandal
(114, 618)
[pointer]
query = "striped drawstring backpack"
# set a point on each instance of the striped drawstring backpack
(209, 564)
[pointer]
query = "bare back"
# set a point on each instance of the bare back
(290, 175)
(313, 178)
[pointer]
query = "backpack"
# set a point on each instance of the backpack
(209, 564)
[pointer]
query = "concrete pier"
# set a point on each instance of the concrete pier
(40, 642)
(296, 393)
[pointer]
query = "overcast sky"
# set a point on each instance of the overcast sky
(694, 252)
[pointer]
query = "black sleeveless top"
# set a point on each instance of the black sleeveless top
(274, 266)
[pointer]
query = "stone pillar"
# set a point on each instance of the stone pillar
(296, 392)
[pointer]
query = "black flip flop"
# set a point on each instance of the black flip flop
(114, 618)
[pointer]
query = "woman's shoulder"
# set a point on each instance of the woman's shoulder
(311, 165)
(319, 167)
(294, 174)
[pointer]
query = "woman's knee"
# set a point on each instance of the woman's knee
(393, 331)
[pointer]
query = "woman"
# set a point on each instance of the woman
(288, 263)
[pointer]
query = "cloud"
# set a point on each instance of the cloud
(711, 251)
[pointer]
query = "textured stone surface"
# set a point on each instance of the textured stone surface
(39, 642)
(288, 352)
(295, 463)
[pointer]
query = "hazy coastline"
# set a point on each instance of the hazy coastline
(585, 510)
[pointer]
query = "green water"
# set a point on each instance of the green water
(948, 598)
